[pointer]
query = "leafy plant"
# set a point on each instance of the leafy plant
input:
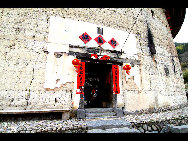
(185, 75)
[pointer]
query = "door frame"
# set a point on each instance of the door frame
(114, 96)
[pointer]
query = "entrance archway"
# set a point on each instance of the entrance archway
(98, 89)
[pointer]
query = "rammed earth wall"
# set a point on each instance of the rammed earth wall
(24, 37)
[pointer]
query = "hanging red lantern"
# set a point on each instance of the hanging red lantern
(105, 57)
(76, 62)
(127, 67)
(95, 55)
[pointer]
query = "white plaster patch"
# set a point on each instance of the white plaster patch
(67, 31)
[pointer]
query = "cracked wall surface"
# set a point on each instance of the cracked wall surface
(24, 37)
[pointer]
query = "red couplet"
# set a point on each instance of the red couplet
(81, 78)
(115, 73)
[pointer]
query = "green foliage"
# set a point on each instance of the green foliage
(184, 65)
(181, 47)
(186, 87)
(185, 75)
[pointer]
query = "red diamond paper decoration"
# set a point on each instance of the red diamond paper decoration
(100, 40)
(113, 43)
(85, 37)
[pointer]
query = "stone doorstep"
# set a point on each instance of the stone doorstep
(106, 124)
(102, 118)
(100, 114)
(114, 130)
(98, 110)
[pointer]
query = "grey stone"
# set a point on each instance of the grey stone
(111, 123)
(114, 130)
(179, 129)
(81, 113)
(154, 127)
(98, 110)
(1, 130)
(145, 127)
(119, 112)
(33, 131)
(167, 128)
(154, 132)
(141, 129)
(162, 130)
(149, 128)
(65, 115)
(151, 132)
(148, 132)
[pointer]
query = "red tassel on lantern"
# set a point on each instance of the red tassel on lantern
(128, 72)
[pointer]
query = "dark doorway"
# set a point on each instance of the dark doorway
(98, 85)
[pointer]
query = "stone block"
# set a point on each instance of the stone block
(81, 113)
(179, 129)
(65, 115)
(119, 112)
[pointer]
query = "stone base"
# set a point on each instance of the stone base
(81, 113)
(119, 112)
(65, 115)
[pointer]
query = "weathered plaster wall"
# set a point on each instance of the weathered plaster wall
(157, 88)
(24, 37)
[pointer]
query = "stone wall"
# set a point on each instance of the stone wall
(24, 37)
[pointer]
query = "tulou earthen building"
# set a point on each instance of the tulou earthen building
(68, 59)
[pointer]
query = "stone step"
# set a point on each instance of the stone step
(100, 114)
(103, 117)
(114, 130)
(106, 124)
(98, 110)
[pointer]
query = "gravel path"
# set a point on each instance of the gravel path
(158, 116)
(43, 126)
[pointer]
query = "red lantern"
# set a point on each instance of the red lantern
(105, 57)
(127, 68)
(76, 62)
(95, 55)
